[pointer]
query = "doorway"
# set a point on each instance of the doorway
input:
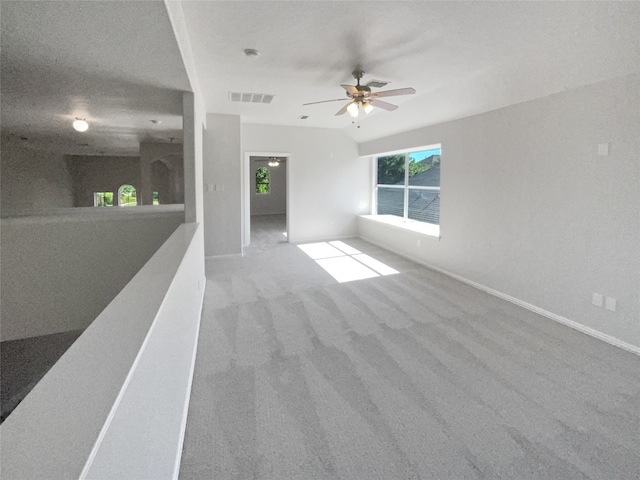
(266, 198)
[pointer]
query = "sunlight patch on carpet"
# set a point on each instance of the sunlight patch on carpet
(345, 263)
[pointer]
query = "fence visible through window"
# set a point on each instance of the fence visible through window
(408, 185)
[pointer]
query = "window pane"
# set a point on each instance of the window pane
(102, 199)
(424, 205)
(127, 196)
(424, 168)
(391, 170)
(262, 180)
(391, 201)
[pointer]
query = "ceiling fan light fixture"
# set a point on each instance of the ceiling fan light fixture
(362, 96)
(353, 109)
(273, 162)
(80, 125)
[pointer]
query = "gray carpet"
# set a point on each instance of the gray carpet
(404, 376)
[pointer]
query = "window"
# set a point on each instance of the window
(156, 198)
(103, 199)
(408, 185)
(127, 196)
(262, 180)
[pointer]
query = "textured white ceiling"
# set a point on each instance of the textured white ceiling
(117, 64)
(461, 57)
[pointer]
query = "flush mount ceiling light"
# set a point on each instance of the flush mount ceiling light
(273, 162)
(80, 125)
(251, 52)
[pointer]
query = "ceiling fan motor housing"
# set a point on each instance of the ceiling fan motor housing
(363, 90)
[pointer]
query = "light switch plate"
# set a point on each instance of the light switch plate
(597, 300)
(610, 304)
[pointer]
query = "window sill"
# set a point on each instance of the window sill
(405, 225)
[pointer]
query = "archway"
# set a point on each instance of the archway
(127, 196)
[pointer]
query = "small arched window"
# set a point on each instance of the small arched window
(262, 180)
(127, 196)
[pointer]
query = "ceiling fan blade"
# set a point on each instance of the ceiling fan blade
(343, 109)
(376, 83)
(381, 104)
(350, 89)
(325, 101)
(391, 93)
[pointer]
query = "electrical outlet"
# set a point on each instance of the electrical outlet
(603, 149)
(610, 304)
(418, 243)
(597, 299)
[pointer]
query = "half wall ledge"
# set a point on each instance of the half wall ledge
(115, 404)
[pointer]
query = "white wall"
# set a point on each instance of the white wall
(529, 209)
(276, 200)
(193, 126)
(222, 162)
(171, 155)
(93, 173)
(328, 184)
(31, 179)
(115, 404)
(60, 271)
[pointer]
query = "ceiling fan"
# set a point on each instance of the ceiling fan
(362, 96)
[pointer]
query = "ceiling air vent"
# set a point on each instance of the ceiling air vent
(250, 97)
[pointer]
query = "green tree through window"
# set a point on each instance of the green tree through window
(409, 185)
(262, 180)
(103, 199)
(127, 196)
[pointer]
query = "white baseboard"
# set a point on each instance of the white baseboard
(229, 255)
(541, 311)
(322, 239)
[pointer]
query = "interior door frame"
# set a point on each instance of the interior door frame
(246, 191)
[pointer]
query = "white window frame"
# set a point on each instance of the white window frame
(406, 187)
